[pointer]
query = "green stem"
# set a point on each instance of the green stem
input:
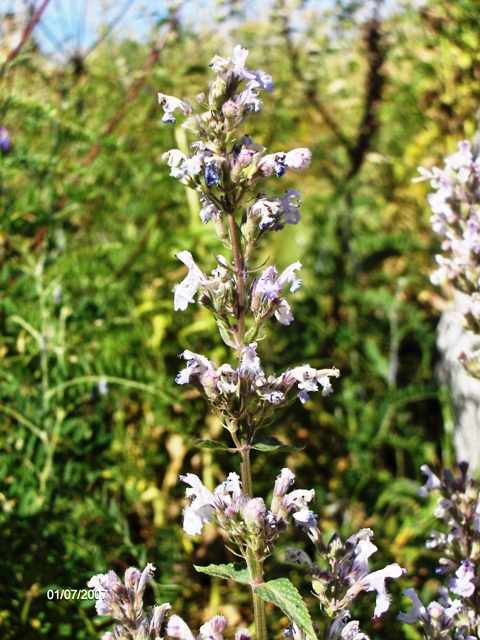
(260, 614)
(246, 472)
(239, 263)
(255, 566)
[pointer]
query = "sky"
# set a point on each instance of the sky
(71, 26)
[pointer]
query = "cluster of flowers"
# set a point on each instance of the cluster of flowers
(246, 520)
(459, 508)
(455, 206)
(260, 394)
(347, 574)
(219, 291)
(124, 603)
(224, 177)
(224, 170)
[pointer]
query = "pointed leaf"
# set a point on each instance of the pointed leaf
(212, 444)
(287, 598)
(270, 443)
(234, 571)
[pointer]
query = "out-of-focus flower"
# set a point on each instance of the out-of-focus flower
(5, 140)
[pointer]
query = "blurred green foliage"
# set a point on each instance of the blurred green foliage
(90, 224)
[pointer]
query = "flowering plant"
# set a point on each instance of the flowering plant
(228, 170)
(459, 508)
(455, 206)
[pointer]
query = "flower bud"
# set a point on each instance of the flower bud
(254, 514)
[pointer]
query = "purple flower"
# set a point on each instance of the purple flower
(199, 367)
(212, 175)
(185, 291)
(5, 140)
(213, 629)
(273, 162)
(177, 628)
(283, 313)
(289, 276)
(171, 104)
(290, 208)
(462, 585)
(298, 159)
(463, 158)
(250, 362)
(200, 511)
(363, 551)
(417, 611)
(433, 482)
(175, 159)
(236, 66)
(376, 582)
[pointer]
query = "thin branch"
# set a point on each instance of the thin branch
(309, 88)
(136, 86)
(374, 88)
(25, 35)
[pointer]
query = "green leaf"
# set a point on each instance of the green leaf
(287, 598)
(213, 444)
(234, 571)
(270, 443)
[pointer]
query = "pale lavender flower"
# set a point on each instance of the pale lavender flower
(273, 162)
(236, 66)
(243, 634)
(363, 550)
(177, 628)
(283, 483)
(351, 631)
(476, 520)
(283, 312)
(298, 159)
(376, 582)
(227, 379)
(5, 140)
(200, 510)
(176, 160)
(298, 556)
(433, 482)
(123, 602)
(308, 521)
(462, 585)
(208, 210)
(308, 378)
(463, 158)
(184, 292)
(254, 513)
(268, 284)
(157, 619)
(250, 362)
(417, 611)
(290, 276)
(171, 104)
(197, 365)
(224, 501)
(213, 629)
(290, 208)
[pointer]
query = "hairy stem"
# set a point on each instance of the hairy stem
(239, 263)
